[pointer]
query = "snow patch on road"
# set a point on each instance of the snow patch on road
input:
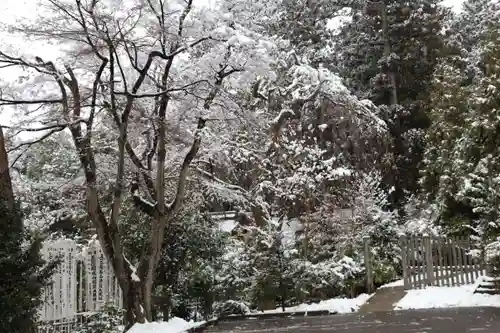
(174, 325)
(334, 305)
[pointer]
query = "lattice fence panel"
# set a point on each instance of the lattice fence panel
(60, 297)
(82, 284)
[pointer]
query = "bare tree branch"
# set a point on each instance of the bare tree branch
(160, 93)
(5, 101)
(40, 139)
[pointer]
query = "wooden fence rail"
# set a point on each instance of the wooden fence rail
(438, 261)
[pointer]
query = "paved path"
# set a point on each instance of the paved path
(383, 300)
(458, 320)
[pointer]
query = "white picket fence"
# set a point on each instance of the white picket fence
(82, 284)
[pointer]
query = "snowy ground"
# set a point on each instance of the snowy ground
(446, 297)
(174, 325)
(334, 305)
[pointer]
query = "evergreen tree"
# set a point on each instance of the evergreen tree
(304, 23)
(23, 274)
(388, 54)
(462, 158)
(468, 23)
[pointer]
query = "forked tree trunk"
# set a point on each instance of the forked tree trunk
(132, 305)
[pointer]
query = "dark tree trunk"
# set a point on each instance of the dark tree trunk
(132, 296)
(6, 192)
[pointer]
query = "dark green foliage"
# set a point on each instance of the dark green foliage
(186, 275)
(273, 282)
(415, 45)
(468, 23)
(462, 157)
(23, 274)
(304, 24)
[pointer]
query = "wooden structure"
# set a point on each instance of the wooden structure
(370, 286)
(438, 261)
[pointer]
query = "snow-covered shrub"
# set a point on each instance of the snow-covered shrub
(332, 235)
(199, 288)
(325, 279)
(270, 263)
(235, 275)
(231, 307)
(324, 261)
(384, 272)
(108, 320)
(492, 255)
(421, 217)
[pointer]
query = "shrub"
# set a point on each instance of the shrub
(230, 307)
(23, 274)
(108, 320)
(492, 256)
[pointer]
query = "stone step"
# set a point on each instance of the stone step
(490, 279)
(488, 285)
(486, 288)
(486, 291)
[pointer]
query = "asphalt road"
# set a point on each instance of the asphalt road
(457, 320)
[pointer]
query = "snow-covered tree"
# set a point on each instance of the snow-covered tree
(306, 25)
(143, 74)
(387, 53)
(313, 139)
(49, 184)
(461, 161)
(467, 24)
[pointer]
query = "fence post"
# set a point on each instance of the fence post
(404, 260)
(488, 269)
(368, 266)
(428, 260)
